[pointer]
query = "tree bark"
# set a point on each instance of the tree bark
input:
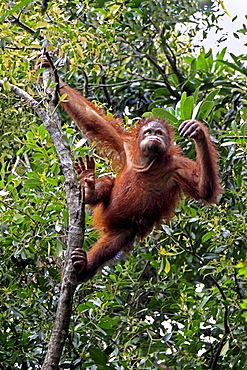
(75, 202)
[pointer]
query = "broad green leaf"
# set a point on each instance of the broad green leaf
(201, 63)
(244, 304)
(195, 95)
(38, 218)
(234, 66)
(196, 110)
(211, 95)
(29, 135)
(19, 219)
(164, 114)
(205, 109)
(25, 254)
(98, 356)
(244, 109)
(32, 183)
(60, 247)
(187, 108)
(182, 100)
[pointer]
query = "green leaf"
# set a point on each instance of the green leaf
(202, 64)
(107, 323)
(244, 129)
(25, 254)
(6, 85)
(84, 307)
(161, 267)
(207, 236)
(164, 114)
(204, 301)
(195, 95)
(205, 109)
(60, 247)
(167, 266)
(225, 349)
(187, 108)
(38, 218)
(29, 135)
(183, 98)
(98, 356)
(234, 66)
(16, 8)
(244, 304)
(32, 183)
(62, 98)
(211, 95)
(19, 219)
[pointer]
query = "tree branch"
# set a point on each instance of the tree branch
(170, 56)
(126, 82)
(163, 74)
(50, 118)
(16, 20)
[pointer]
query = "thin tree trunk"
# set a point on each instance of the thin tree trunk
(75, 202)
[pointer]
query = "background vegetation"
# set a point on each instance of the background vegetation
(179, 300)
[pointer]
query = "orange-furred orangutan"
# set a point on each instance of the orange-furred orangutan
(153, 176)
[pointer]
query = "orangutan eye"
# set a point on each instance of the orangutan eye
(159, 133)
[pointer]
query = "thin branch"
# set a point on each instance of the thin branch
(237, 287)
(108, 98)
(85, 89)
(126, 82)
(163, 74)
(29, 100)
(56, 78)
(27, 162)
(172, 61)
(16, 20)
(170, 56)
(15, 166)
(155, 63)
(75, 201)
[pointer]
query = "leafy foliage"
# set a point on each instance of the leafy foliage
(178, 300)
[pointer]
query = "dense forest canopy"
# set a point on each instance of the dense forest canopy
(179, 300)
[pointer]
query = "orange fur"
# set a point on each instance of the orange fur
(146, 191)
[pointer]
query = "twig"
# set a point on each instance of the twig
(85, 83)
(170, 56)
(27, 162)
(163, 74)
(103, 79)
(22, 25)
(126, 82)
(56, 78)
